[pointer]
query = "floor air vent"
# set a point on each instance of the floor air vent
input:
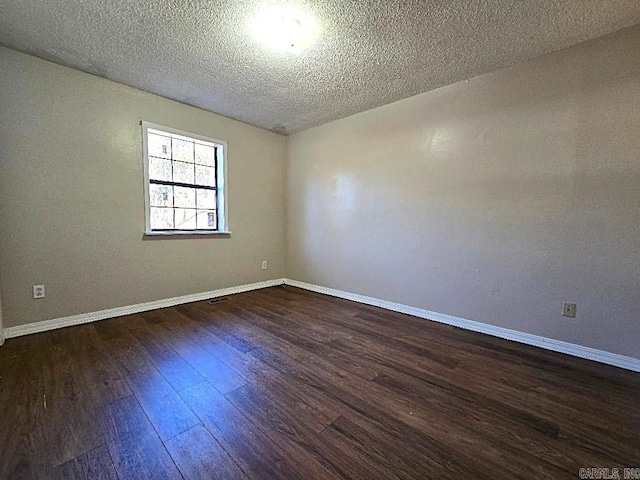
(213, 301)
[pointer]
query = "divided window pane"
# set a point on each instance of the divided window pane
(185, 197)
(183, 172)
(161, 218)
(159, 145)
(206, 198)
(205, 155)
(185, 219)
(161, 195)
(159, 169)
(205, 175)
(207, 220)
(179, 168)
(183, 150)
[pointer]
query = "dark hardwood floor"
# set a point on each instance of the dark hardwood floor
(284, 383)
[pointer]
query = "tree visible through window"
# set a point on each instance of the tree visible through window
(184, 180)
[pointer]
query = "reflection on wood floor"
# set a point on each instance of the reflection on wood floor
(284, 383)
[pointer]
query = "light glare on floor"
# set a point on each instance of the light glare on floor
(285, 28)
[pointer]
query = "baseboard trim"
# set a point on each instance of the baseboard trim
(609, 358)
(628, 363)
(55, 323)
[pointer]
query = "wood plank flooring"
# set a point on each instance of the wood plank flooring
(282, 383)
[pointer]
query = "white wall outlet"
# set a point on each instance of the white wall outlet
(38, 291)
(264, 264)
(569, 310)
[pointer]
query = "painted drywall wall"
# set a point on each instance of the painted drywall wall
(1, 325)
(494, 199)
(71, 197)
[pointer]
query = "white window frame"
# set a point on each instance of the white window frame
(221, 182)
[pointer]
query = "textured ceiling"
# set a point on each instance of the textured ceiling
(369, 53)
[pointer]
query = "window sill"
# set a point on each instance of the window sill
(184, 234)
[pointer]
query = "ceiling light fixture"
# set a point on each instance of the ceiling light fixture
(285, 28)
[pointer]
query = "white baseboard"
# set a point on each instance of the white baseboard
(43, 326)
(628, 363)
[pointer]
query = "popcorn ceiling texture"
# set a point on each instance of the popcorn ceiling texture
(370, 52)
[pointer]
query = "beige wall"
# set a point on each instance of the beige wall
(1, 325)
(71, 197)
(494, 199)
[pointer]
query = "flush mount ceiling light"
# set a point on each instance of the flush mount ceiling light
(285, 28)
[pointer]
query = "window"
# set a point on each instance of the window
(184, 182)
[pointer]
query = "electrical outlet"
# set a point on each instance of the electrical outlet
(38, 291)
(264, 264)
(569, 310)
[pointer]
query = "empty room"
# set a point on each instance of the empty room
(358, 239)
